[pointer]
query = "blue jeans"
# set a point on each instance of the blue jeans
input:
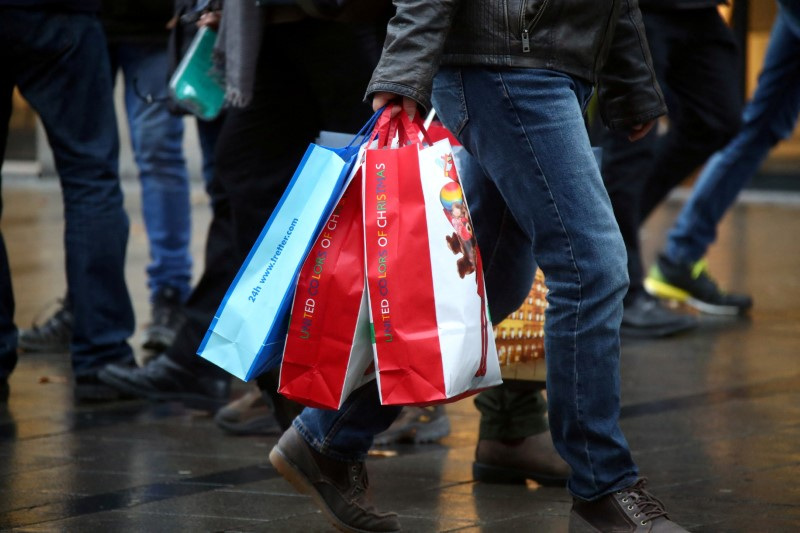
(62, 70)
(157, 141)
(769, 117)
(540, 195)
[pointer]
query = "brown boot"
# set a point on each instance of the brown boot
(338, 488)
(533, 457)
(248, 415)
(631, 510)
(417, 425)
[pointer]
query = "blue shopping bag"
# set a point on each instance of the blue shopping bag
(249, 329)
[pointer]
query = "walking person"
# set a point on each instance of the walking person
(696, 61)
(256, 155)
(137, 36)
(62, 70)
(680, 272)
(513, 90)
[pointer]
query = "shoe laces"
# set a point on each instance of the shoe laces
(59, 323)
(360, 479)
(649, 507)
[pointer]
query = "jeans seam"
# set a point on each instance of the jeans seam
(576, 383)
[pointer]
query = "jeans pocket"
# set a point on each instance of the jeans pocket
(449, 101)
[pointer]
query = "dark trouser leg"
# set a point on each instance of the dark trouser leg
(514, 410)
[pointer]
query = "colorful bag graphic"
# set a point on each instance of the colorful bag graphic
(328, 351)
(520, 337)
(248, 332)
(433, 340)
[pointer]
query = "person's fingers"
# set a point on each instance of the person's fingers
(210, 19)
(409, 106)
(640, 130)
(379, 100)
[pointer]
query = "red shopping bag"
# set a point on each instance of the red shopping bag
(432, 334)
(328, 350)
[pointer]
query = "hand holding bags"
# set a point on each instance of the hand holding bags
(432, 335)
(248, 332)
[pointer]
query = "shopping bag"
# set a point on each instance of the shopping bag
(432, 335)
(328, 351)
(247, 334)
(520, 337)
(197, 85)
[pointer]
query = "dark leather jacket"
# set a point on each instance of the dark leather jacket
(602, 41)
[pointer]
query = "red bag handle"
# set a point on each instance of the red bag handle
(408, 131)
(413, 128)
(384, 128)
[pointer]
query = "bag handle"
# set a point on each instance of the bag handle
(366, 129)
(384, 129)
(408, 131)
(414, 128)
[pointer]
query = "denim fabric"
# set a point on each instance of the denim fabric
(791, 14)
(62, 70)
(525, 129)
(769, 117)
(157, 141)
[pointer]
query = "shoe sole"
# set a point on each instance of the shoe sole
(663, 290)
(253, 427)
(191, 401)
(498, 475)
(97, 393)
(291, 473)
(655, 333)
(420, 433)
(38, 348)
(158, 339)
(578, 525)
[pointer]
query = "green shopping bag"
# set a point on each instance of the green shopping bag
(197, 85)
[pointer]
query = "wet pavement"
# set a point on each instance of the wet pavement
(713, 416)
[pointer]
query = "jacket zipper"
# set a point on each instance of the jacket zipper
(526, 29)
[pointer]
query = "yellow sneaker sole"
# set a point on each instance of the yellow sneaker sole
(664, 290)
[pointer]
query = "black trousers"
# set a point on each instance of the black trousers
(311, 76)
(696, 63)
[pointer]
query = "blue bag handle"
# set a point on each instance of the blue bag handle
(352, 147)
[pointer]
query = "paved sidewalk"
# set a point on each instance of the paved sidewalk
(713, 416)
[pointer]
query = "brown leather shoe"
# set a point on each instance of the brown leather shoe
(533, 457)
(248, 415)
(631, 510)
(417, 425)
(338, 488)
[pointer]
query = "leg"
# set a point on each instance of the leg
(770, 117)
(557, 195)
(157, 138)
(179, 374)
(8, 331)
(701, 60)
(261, 145)
(85, 148)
